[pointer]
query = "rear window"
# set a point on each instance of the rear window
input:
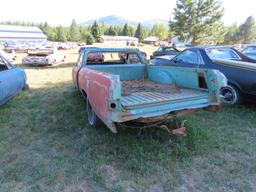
(222, 54)
(40, 52)
(99, 58)
(249, 50)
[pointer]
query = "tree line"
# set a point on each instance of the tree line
(196, 21)
(91, 34)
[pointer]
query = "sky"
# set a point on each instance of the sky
(57, 12)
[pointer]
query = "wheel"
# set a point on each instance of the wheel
(231, 95)
(93, 120)
(26, 87)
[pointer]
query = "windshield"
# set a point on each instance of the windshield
(249, 50)
(222, 54)
(4, 64)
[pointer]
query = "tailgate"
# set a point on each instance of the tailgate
(144, 99)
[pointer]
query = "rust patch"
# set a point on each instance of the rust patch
(129, 87)
(214, 108)
(180, 130)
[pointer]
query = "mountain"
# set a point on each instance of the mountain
(116, 20)
(110, 20)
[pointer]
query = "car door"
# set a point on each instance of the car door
(188, 58)
(76, 68)
(12, 80)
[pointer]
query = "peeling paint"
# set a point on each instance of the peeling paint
(102, 84)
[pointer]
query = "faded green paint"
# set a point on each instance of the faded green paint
(182, 77)
(151, 104)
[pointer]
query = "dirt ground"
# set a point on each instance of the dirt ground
(61, 72)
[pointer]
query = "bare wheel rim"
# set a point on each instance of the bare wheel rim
(230, 95)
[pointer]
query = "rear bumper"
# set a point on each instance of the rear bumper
(36, 63)
(159, 110)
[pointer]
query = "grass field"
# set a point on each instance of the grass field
(47, 145)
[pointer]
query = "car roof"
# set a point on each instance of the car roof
(215, 47)
(250, 45)
(169, 47)
(113, 50)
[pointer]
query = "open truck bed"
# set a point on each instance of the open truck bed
(124, 92)
(143, 92)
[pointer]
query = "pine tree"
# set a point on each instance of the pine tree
(159, 30)
(74, 32)
(125, 31)
(131, 31)
(95, 31)
(111, 31)
(197, 19)
(231, 35)
(89, 39)
(61, 35)
(247, 31)
(49, 31)
(139, 32)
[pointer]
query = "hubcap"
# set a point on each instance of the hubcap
(229, 94)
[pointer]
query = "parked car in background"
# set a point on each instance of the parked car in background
(63, 46)
(15, 47)
(161, 51)
(9, 56)
(81, 49)
(163, 60)
(238, 68)
(250, 51)
(123, 88)
(43, 57)
(94, 56)
(12, 80)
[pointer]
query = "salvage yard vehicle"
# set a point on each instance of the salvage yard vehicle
(12, 80)
(9, 56)
(250, 51)
(82, 49)
(161, 51)
(239, 69)
(123, 89)
(43, 57)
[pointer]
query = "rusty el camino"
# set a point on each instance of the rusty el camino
(122, 88)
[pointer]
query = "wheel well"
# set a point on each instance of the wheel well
(235, 85)
(84, 94)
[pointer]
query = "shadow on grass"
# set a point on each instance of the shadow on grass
(49, 145)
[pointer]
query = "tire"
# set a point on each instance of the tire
(232, 95)
(26, 87)
(92, 118)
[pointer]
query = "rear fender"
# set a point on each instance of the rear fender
(100, 88)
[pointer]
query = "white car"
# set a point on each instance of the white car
(9, 56)
(43, 57)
